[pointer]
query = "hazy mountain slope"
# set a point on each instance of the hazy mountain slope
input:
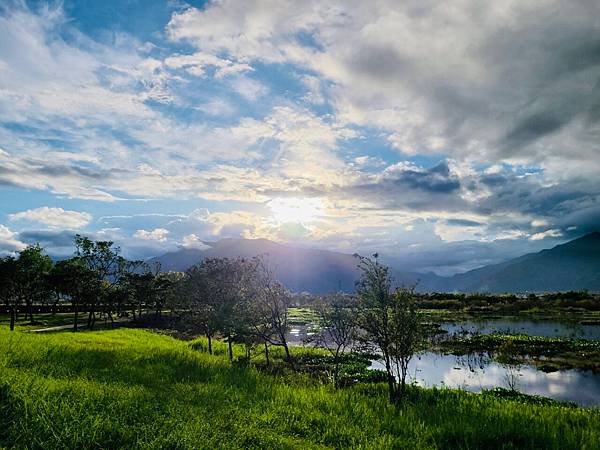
(300, 269)
(571, 266)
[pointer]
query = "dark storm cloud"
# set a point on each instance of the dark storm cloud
(437, 179)
(532, 128)
(410, 187)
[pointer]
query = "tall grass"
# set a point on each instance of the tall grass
(136, 389)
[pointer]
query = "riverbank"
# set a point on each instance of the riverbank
(137, 389)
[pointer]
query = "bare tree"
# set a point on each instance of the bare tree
(390, 321)
(270, 309)
(337, 315)
(375, 295)
(406, 335)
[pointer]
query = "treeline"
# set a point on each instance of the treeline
(238, 300)
(509, 302)
(97, 280)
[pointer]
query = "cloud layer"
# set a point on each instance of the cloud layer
(446, 129)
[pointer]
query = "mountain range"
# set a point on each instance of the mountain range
(574, 265)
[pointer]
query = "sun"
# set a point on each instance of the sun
(296, 209)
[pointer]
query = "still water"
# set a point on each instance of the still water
(530, 327)
(432, 369)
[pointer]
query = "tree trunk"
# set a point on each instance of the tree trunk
(402, 387)
(12, 318)
(76, 317)
(336, 369)
(267, 353)
(230, 348)
(209, 337)
(390, 378)
(91, 319)
(30, 311)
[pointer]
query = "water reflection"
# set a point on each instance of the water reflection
(475, 374)
(530, 327)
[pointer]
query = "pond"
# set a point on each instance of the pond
(432, 369)
(530, 327)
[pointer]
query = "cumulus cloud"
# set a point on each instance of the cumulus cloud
(9, 241)
(158, 234)
(54, 217)
(545, 234)
(426, 72)
(419, 125)
(193, 241)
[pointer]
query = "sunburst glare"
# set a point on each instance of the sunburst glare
(296, 209)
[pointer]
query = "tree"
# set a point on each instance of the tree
(75, 280)
(169, 284)
(269, 309)
(337, 316)
(391, 322)
(33, 269)
(103, 258)
(406, 335)
(9, 287)
(201, 292)
(142, 288)
(375, 296)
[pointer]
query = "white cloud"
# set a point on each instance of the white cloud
(510, 235)
(193, 241)
(425, 73)
(248, 88)
(315, 93)
(452, 233)
(158, 234)
(55, 218)
(9, 241)
(545, 234)
(537, 223)
(368, 161)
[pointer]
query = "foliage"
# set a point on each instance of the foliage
(338, 327)
(390, 321)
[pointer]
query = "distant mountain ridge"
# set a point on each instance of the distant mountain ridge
(574, 265)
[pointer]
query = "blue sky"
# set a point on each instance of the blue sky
(444, 136)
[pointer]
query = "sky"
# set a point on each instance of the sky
(443, 135)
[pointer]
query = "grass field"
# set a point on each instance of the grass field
(43, 321)
(136, 389)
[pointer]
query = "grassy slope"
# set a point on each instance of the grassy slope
(43, 321)
(136, 389)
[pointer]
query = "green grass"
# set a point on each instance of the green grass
(43, 320)
(301, 316)
(131, 389)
